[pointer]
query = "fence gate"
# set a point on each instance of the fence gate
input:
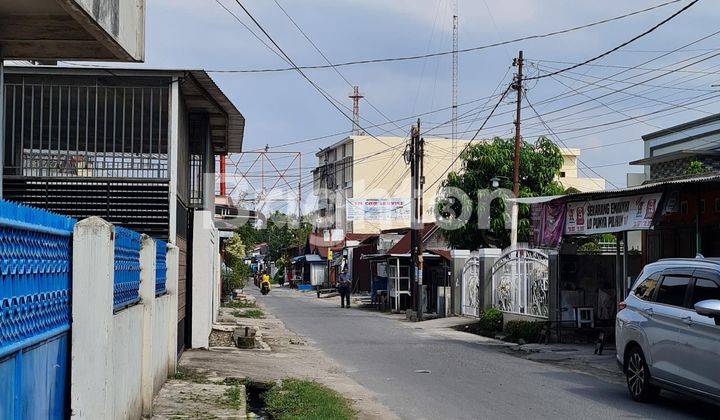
(34, 312)
(470, 284)
(520, 282)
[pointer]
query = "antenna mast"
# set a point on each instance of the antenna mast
(454, 81)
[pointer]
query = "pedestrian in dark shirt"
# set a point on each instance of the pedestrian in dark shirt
(344, 283)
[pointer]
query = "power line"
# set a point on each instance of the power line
(630, 41)
(442, 53)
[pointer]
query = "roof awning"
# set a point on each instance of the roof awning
(227, 124)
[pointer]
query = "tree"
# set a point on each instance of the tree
(539, 166)
(234, 250)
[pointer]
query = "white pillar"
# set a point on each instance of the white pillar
(173, 158)
(514, 225)
(203, 274)
(147, 300)
(92, 314)
(171, 285)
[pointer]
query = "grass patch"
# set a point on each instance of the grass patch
(300, 399)
(183, 374)
(240, 304)
(234, 397)
(250, 313)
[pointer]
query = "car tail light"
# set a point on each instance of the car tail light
(621, 306)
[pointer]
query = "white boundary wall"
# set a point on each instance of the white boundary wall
(205, 278)
(119, 360)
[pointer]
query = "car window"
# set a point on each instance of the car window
(705, 289)
(672, 290)
(646, 289)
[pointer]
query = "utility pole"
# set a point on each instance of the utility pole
(356, 96)
(518, 86)
(417, 183)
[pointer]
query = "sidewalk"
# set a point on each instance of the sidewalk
(283, 355)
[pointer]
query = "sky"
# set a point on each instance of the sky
(283, 107)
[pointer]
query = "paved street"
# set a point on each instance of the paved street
(466, 380)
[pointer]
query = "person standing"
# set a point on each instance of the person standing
(344, 288)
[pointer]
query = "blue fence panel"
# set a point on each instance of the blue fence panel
(160, 267)
(35, 312)
(127, 268)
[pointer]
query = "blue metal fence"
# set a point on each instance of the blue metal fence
(127, 268)
(35, 312)
(160, 267)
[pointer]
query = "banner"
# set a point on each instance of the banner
(548, 224)
(378, 209)
(611, 215)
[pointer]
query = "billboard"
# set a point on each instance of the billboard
(611, 215)
(378, 209)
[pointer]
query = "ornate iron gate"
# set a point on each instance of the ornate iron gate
(520, 282)
(470, 287)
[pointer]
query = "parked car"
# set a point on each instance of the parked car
(668, 330)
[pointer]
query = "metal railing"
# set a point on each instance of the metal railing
(86, 130)
(160, 267)
(127, 268)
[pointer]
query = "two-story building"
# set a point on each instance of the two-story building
(135, 147)
(368, 175)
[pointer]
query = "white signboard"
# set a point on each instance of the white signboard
(378, 209)
(611, 215)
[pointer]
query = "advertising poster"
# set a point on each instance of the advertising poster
(611, 215)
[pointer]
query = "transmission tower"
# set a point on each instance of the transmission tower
(356, 96)
(454, 81)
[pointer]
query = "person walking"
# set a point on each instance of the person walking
(344, 288)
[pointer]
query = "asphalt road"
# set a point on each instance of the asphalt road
(466, 380)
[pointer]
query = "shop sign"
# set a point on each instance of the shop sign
(611, 215)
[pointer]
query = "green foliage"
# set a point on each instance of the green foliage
(234, 250)
(695, 167)
(250, 313)
(239, 304)
(280, 232)
(528, 331)
(279, 277)
(234, 397)
(235, 277)
(539, 165)
(303, 400)
(589, 248)
(491, 320)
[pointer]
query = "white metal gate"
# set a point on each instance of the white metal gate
(470, 284)
(520, 282)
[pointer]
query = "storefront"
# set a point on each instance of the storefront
(678, 218)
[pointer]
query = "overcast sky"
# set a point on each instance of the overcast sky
(283, 107)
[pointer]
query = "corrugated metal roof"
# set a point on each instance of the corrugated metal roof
(645, 188)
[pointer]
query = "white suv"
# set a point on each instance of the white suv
(668, 330)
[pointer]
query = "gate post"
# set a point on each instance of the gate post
(93, 262)
(171, 286)
(147, 300)
(459, 258)
(487, 258)
(554, 313)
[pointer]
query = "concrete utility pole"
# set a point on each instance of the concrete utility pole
(518, 86)
(417, 183)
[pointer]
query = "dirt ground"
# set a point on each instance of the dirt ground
(288, 356)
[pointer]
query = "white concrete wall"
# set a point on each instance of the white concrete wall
(119, 360)
(206, 280)
(126, 350)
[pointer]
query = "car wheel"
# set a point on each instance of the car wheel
(638, 377)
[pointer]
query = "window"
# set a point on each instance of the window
(562, 174)
(646, 289)
(672, 290)
(348, 173)
(705, 289)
